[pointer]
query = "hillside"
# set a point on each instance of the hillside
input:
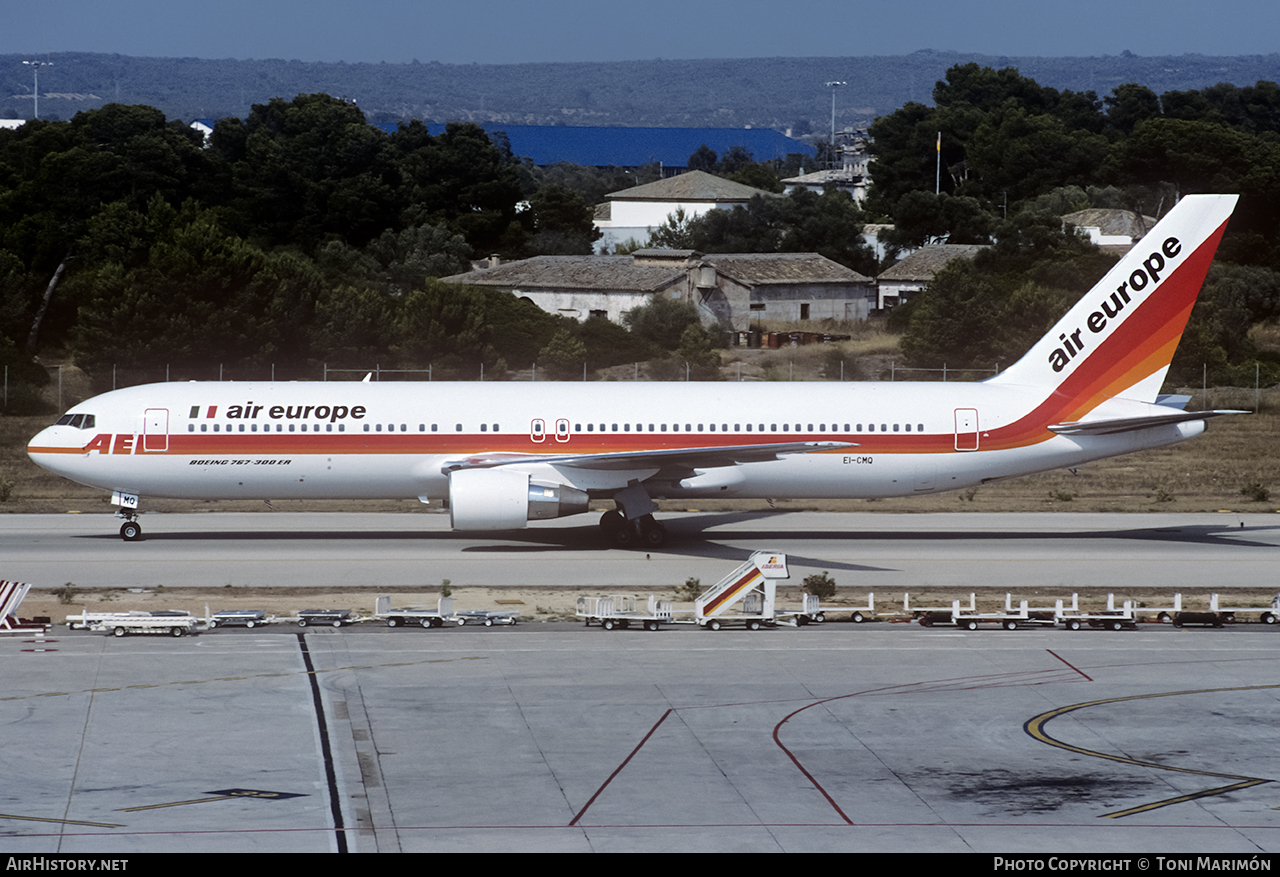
(761, 92)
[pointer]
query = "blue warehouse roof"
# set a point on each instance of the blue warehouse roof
(632, 147)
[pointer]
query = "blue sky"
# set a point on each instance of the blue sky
(504, 31)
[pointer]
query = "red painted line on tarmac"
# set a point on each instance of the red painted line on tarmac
(619, 768)
(1069, 664)
(962, 683)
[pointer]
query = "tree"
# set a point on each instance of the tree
(201, 296)
(662, 321)
(560, 222)
(564, 355)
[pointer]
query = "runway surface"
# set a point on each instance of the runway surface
(873, 552)
(558, 737)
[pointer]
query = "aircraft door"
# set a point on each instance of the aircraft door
(966, 429)
(562, 430)
(155, 429)
(538, 430)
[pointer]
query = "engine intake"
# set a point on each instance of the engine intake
(503, 499)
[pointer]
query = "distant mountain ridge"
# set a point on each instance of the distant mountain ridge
(763, 92)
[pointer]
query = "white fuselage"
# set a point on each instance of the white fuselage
(341, 440)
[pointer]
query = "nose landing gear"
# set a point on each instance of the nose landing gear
(130, 530)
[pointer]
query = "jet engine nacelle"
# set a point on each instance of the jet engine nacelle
(503, 499)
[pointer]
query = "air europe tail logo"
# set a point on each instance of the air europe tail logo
(1111, 306)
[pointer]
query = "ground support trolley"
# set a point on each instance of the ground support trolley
(332, 617)
(1124, 618)
(420, 617)
(620, 611)
(484, 616)
(1009, 619)
(811, 613)
(864, 613)
(1267, 614)
(163, 623)
(237, 618)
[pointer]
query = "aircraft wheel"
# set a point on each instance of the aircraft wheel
(612, 520)
(131, 531)
(623, 537)
(654, 535)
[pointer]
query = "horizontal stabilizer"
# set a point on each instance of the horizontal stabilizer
(1129, 424)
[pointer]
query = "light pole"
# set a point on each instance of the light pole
(35, 70)
(833, 86)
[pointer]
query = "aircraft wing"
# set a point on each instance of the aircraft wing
(690, 458)
(1129, 424)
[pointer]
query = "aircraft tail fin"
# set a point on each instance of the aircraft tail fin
(1119, 338)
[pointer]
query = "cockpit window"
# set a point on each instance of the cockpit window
(79, 421)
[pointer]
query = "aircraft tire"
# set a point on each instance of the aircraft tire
(653, 535)
(623, 537)
(131, 531)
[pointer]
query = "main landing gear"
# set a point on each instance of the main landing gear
(644, 532)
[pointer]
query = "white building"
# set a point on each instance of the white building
(634, 213)
(731, 291)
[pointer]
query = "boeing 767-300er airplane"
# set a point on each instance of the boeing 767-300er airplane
(502, 454)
